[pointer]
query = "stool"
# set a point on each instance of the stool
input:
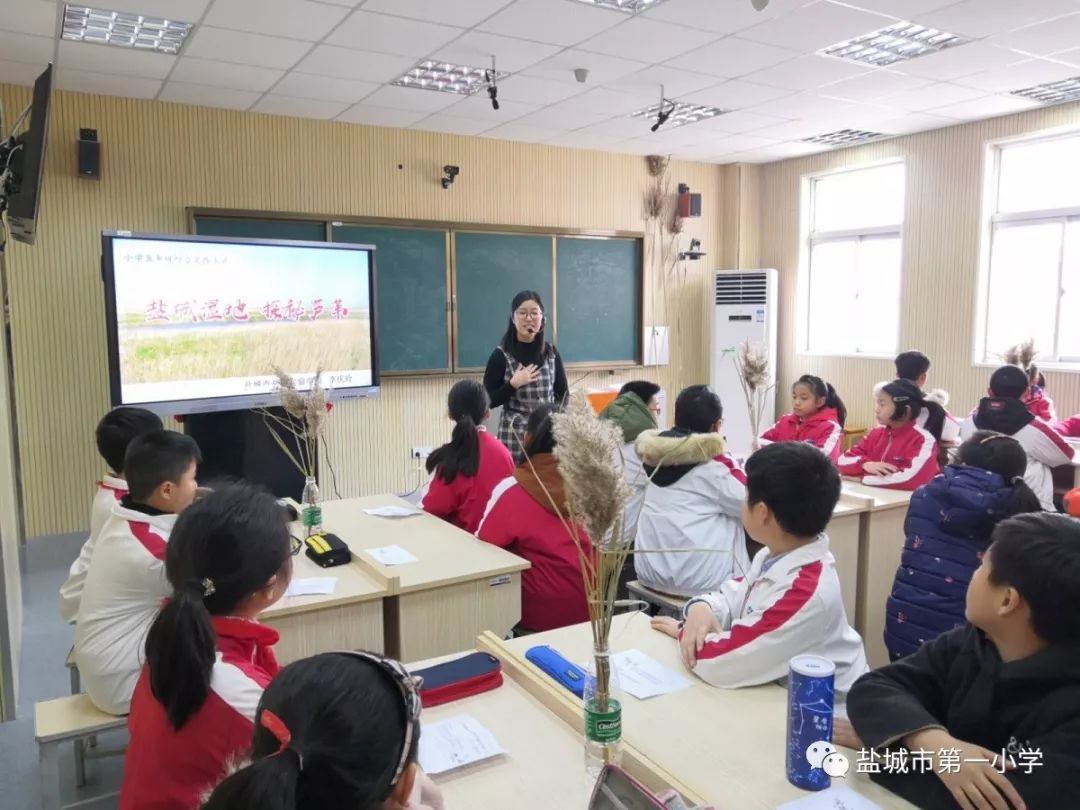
(663, 601)
(852, 435)
(60, 721)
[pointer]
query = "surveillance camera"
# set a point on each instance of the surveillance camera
(451, 172)
(581, 74)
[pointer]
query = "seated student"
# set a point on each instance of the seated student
(1035, 396)
(635, 410)
(207, 658)
(914, 366)
(948, 530)
(899, 453)
(790, 603)
(1004, 412)
(126, 583)
(467, 468)
(1006, 685)
(817, 417)
(522, 518)
(338, 731)
(114, 433)
(693, 500)
(1069, 427)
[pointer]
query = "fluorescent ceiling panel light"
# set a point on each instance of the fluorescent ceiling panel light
(681, 114)
(1052, 92)
(845, 137)
(897, 43)
(629, 6)
(125, 30)
(444, 77)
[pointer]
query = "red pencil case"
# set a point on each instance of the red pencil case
(460, 678)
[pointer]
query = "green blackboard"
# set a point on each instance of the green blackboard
(411, 267)
(256, 228)
(491, 269)
(599, 299)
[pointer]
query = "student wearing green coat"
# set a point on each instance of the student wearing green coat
(635, 410)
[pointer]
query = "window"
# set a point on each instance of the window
(852, 283)
(1032, 282)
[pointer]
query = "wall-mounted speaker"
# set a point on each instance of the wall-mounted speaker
(89, 153)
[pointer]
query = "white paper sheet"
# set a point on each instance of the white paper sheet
(838, 797)
(394, 511)
(391, 555)
(311, 586)
(455, 742)
(643, 677)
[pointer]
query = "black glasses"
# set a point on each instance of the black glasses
(295, 544)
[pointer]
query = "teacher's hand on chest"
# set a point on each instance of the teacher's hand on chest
(524, 376)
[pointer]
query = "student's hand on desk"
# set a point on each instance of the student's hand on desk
(525, 375)
(700, 622)
(843, 733)
(666, 625)
(880, 468)
(977, 785)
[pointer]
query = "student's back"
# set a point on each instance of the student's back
(634, 412)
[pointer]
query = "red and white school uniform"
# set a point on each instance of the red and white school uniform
(523, 522)
(121, 596)
(1070, 427)
(909, 447)
(463, 501)
(166, 769)
(787, 605)
(1040, 405)
(821, 429)
(110, 490)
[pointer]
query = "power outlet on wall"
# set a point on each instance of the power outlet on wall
(422, 453)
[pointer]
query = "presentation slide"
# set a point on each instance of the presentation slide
(203, 320)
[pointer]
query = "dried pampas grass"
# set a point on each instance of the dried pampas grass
(304, 421)
(657, 165)
(752, 362)
(1022, 354)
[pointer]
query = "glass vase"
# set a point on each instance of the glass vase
(603, 714)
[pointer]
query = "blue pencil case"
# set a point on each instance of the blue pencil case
(567, 673)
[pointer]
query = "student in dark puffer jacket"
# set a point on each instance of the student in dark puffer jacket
(948, 529)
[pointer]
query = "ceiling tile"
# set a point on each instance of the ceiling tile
(378, 32)
(298, 107)
(610, 102)
(676, 82)
(807, 72)
(345, 63)
(453, 125)
(732, 57)
(602, 69)
(512, 55)
(541, 92)
(583, 139)
(727, 144)
(913, 122)
(1019, 76)
(562, 117)
(465, 13)
(244, 48)
(816, 26)
(411, 98)
(622, 126)
(299, 19)
(963, 60)
(803, 128)
(561, 23)
(380, 116)
(479, 107)
(983, 18)
(986, 107)
(872, 86)
(1044, 38)
(803, 105)
(203, 96)
(523, 132)
(84, 81)
(26, 48)
(740, 121)
(904, 9)
(735, 94)
(222, 74)
(1069, 57)
(664, 139)
(723, 17)
(937, 94)
(28, 17)
(780, 151)
(648, 39)
(324, 88)
(633, 146)
(119, 61)
(20, 73)
(182, 10)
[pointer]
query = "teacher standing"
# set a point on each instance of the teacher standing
(524, 371)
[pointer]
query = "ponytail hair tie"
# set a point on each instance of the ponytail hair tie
(208, 587)
(276, 726)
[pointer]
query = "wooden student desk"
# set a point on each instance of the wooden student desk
(844, 531)
(881, 544)
(725, 745)
(458, 587)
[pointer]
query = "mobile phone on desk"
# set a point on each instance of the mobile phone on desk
(565, 672)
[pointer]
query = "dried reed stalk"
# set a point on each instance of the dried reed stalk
(752, 363)
(305, 420)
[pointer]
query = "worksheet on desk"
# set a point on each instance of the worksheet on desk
(456, 742)
(644, 677)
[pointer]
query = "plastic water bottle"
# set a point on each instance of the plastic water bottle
(311, 516)
(603, 719)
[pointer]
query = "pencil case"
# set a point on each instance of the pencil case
(461, 678)
(327, 550)
(566, 673)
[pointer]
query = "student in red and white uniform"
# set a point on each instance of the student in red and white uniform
(899, 453)
(817, 417)
(114, 433)
(208, 659)
(693, 500)
(790, 602)
(1069, 427)
(1003, 411)
(467, 468)
(1040, 405)
(126, 581)
(914, 366)
(522, 518)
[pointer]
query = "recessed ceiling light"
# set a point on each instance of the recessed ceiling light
(897, 43)
(681, 113)
(629, 6)
(445, 77)
(138, 31)
(845, 137)
(1052, 92)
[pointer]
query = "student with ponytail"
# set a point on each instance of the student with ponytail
(338, 731)
(207, 658)
(948, 530)
(817, 417)
(469, 467)
(901, 452)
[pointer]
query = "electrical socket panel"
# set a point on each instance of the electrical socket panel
(421, 453)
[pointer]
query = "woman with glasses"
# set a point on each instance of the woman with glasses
(524, 371)
(208, 659)
(338, 731)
